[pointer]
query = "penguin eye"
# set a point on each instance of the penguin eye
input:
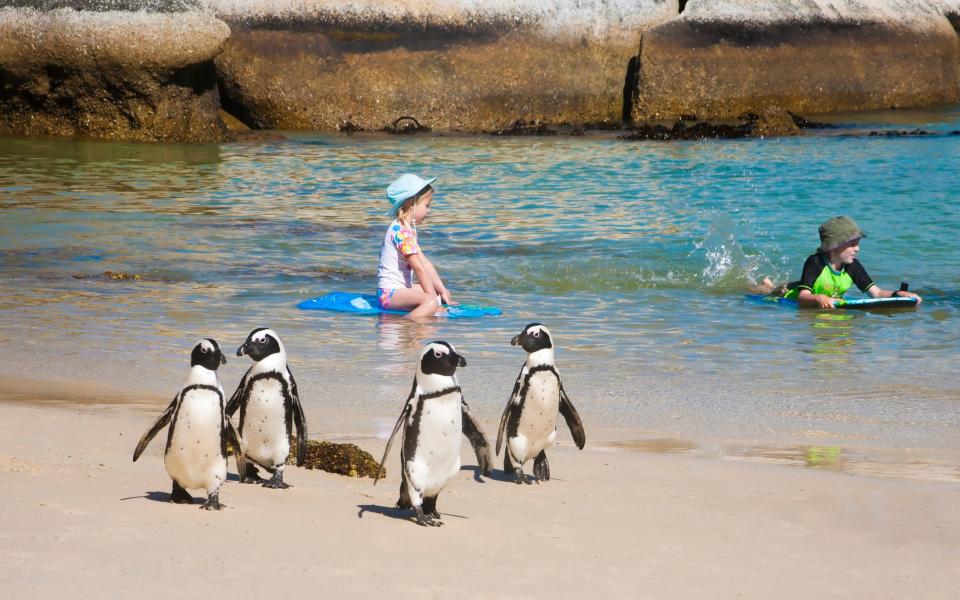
(203, 349)
(536, 333)
(437, 353)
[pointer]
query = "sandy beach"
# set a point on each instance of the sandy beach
(80, 520)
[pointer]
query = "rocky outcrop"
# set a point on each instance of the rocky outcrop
(112, 74)
(723, 58)
(474, 65)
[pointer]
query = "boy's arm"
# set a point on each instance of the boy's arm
(808, 298)
(876, 292)
(811, 270)
(866, 284)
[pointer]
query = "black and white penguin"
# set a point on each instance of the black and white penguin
(529, 421)
(434, 416)
(196, 452)
(269, 408)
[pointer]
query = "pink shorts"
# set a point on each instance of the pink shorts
(384, 297)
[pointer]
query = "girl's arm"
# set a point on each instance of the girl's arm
(425, 273)
(437, 282)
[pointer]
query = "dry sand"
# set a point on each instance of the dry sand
(80, 520)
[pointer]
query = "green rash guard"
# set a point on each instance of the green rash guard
(820, 278)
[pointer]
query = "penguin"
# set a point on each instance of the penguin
(529, 420)
(196, 453)
(269, 408)
(434, 416)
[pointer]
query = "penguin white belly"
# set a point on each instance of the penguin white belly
(537, 427)
(194, 458)
(264, 432)
(437, 457)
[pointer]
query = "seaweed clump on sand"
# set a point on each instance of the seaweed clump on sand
(343, 459)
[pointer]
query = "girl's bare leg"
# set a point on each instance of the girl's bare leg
(418, 302)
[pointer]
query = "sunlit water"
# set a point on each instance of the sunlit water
(636, 255)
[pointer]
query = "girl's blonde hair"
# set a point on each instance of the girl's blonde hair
(405, 213)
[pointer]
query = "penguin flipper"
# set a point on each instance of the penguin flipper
(234, 402)
(572, 418)
(300, 421)
(506, 411)
(233, 436)
(160, 423)
(471, 429)
(386, 451)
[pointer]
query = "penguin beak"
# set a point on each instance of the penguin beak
(242, 349)
(223, 358)
(461, 361)
(516, 340)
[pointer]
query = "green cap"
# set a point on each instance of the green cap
(838, 231)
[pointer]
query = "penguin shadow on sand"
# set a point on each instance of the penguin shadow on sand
(167, 497)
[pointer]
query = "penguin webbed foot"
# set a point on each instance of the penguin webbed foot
(541, 468)
(251, 475)
(179, 495)
(276, 482)
(213, 502)
(520, 478)
(428, 520)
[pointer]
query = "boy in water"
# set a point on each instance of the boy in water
(833, 269)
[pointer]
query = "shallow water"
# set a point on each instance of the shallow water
(636, 255)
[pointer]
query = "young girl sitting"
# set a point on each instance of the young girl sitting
(401, 255)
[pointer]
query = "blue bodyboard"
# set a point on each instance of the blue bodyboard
(367, 304)
(853, 304)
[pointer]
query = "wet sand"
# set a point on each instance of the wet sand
(632, 516)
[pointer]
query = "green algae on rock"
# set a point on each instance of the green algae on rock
(343, 459)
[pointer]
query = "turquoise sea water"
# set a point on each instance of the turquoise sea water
(636, 255)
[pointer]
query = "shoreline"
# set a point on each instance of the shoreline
(80, 518)
(366, 428)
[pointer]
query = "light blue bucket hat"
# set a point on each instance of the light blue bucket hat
(405, 187)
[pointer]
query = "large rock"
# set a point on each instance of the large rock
(113, 74)
(451, 64)
(723, 58)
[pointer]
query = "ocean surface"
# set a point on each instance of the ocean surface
(115, 258)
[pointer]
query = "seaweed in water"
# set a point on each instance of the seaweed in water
(343, 459)
(114, 275)
(521, 127)
(348, 127)
(679, 131)
(899, 133)
(807, 124)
